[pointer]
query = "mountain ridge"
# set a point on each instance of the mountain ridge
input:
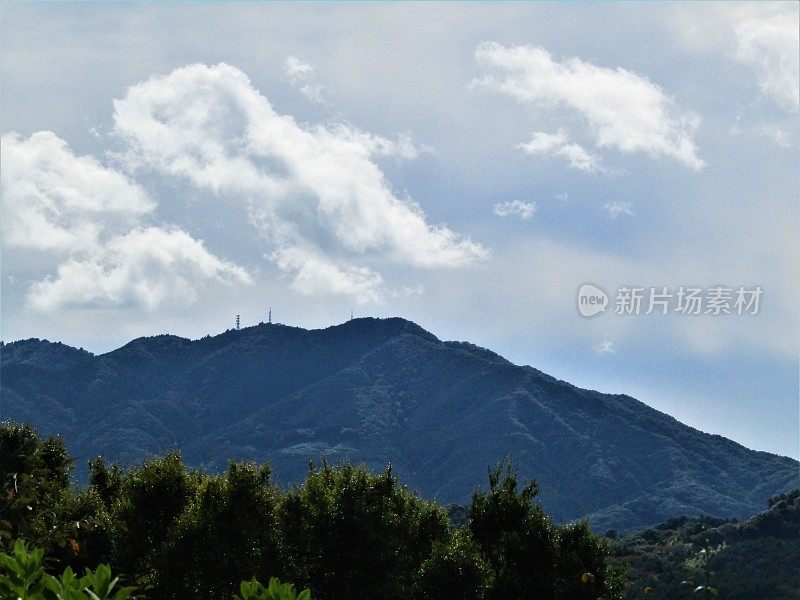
(382, 391)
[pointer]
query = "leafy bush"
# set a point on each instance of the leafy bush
(24, 578)
(253, 590)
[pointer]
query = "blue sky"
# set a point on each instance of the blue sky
(466, 166)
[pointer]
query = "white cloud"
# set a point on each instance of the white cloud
(557, 144)
(314, 92)
(768, 40)
(774, 132)
(615, 209)
(145, 267)
(297, 70)
(763, 36)
(622, 109)
(523, 210)
(89, 215)
(316, 275)
(300, 74)
(605, 347)
(54, 200)
(315, 192)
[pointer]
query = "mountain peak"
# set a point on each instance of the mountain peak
(42, 354)
(388, 326)
(379, 391)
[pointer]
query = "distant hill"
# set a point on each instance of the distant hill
(50, 356)
(383, 391)
(753, 559)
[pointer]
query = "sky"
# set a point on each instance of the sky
(167, 166)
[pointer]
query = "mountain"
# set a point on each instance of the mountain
(751, 559)
(382, 391)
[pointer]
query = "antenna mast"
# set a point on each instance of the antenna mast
(237, 322)
(269, 319)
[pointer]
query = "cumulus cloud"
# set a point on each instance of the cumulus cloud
(316, 192)
(523, 210)
(54, 200)
(622, 109)
(145, 267)
(615, 209)
(557, 144)
(89, 216)
(301, 74)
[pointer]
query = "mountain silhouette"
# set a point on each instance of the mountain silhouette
(379, 392)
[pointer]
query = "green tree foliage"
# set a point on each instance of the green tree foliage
(515, 536)
(529, 556)
(344, 534)
(38, 503)
(346, 529)
(229, 527)
(455, 570)
(35, 482)
(105, 480)
(740, 560)
(151, 499)
(581, 566)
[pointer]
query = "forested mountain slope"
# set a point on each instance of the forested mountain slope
(383, 391)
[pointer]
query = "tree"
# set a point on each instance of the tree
(582, 570)
(152, 498)
(351, 534)
(454, 571)
(515, 537)
(34, 475)
(227, 534)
